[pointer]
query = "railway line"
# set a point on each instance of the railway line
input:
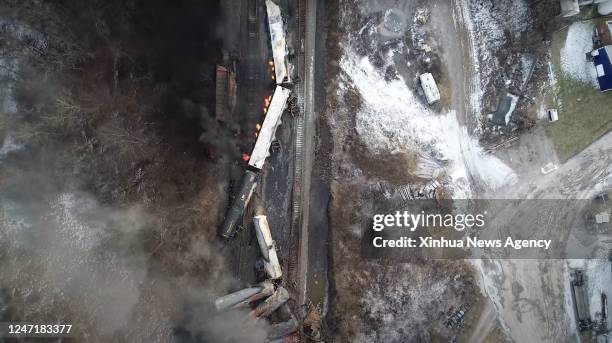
(295, 92)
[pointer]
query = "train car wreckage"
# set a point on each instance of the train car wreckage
(268, 296)
(267, 133)
(268, 300)
(268, 247)
(264, 298)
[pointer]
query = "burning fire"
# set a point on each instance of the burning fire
(271, 66)
(267, 101)
(246, 157)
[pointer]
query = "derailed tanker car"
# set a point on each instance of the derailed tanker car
(282, 69)
(261, 151)
(580, 300)
(240, 202)
(267, 247)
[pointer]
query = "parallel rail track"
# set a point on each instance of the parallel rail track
(293, 243)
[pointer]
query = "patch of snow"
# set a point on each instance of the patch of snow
(8, 76)
(8, 146)
(25, 34)
(391, 118)
(13, 221)
(573, 54)
(76, 223)
(542, 111)
(552, 78)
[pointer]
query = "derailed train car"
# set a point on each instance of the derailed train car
(240, 202)
(580, 299)
(271, 122)
(260, 152)
(267, 247)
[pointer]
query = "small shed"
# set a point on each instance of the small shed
(601, 60)
(602, 218)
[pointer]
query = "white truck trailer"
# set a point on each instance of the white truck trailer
(428, 84)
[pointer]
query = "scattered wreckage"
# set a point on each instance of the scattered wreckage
(268, 296)
(266, 136)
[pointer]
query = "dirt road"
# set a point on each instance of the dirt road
(529, 295)
(485, 323)
(452, 40)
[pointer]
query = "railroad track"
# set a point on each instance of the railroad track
(293, 243)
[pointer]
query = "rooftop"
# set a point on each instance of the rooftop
(601, 60)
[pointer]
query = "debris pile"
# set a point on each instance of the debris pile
(456, 319)
(268, 296)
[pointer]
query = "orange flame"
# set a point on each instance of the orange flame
(246, 157)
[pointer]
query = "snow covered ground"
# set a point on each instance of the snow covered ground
(573, 55)
(392, 118)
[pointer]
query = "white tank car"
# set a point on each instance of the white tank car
(267, 247)
(279, 45)
(268, 129)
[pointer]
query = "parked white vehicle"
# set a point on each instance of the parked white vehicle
(428, 84)
(549, 168)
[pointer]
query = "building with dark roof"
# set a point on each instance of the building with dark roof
(601, 60)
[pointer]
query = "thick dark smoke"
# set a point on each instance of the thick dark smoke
(66, 257)
(69, 254)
